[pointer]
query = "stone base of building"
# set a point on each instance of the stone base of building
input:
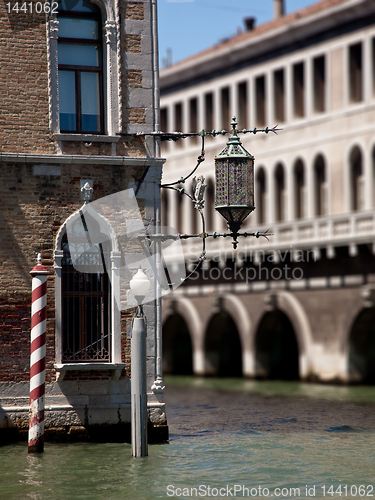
(78, 411)
(116, 433)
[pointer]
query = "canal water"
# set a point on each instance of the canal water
(228, 438)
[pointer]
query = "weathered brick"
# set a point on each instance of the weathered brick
(134, 10)
(133, 44)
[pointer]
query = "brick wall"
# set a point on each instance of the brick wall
(33, 208)
(24, 118)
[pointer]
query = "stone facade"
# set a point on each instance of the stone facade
(42, 171)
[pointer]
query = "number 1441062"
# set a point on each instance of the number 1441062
(31, 7)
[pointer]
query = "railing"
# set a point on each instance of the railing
(321, 232)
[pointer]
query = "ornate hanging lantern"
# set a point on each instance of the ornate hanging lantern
(234, 172)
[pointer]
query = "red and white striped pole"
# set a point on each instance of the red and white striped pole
(38, 357)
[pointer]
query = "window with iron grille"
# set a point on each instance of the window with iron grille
(85, 299)
(80, 64)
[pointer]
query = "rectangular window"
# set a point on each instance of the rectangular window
(355, 73)
(319, 80)
(299, 90)
(242, 105)
(279, 95)
(209, 112)
(67, 100)
(80, 73)
(260, 101)
(193, 118)
(90, 102)
(225, 109)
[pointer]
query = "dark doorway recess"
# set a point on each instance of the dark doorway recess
(223, 347)
(276, 348)
(362, 348)
(177, 348)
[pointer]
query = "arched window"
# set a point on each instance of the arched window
(280, 193)
(356, 180)
(86, 302)
(299, 190)
(260, 199)
(320, 187)
(80, 64)
(87, 265)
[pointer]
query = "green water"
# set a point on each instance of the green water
(225, 434)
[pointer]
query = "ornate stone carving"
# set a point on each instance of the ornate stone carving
(87, 192)
(110, 32)
(54, 29)
(198, 192)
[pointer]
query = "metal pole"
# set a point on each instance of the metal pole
(138, 386)
(38, 357)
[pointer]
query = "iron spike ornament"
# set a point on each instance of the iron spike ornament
(234, 173)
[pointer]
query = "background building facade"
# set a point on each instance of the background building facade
(71, 80)
(300, 305)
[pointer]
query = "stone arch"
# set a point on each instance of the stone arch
(293, 309)
(361, 347)
(364, 300)
(177, 346)
(105, 226)
(276, 349)
(237, 310)
(223, 355)
(188, 312)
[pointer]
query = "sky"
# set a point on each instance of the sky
(189, 26)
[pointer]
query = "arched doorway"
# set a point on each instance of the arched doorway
(362, 348)
(177, 348)
(276, 348)
(223, 347)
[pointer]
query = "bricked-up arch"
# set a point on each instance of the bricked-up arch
(276, 349)
(223, 347)
(177, 347)
(87, 291)
(362, 348)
